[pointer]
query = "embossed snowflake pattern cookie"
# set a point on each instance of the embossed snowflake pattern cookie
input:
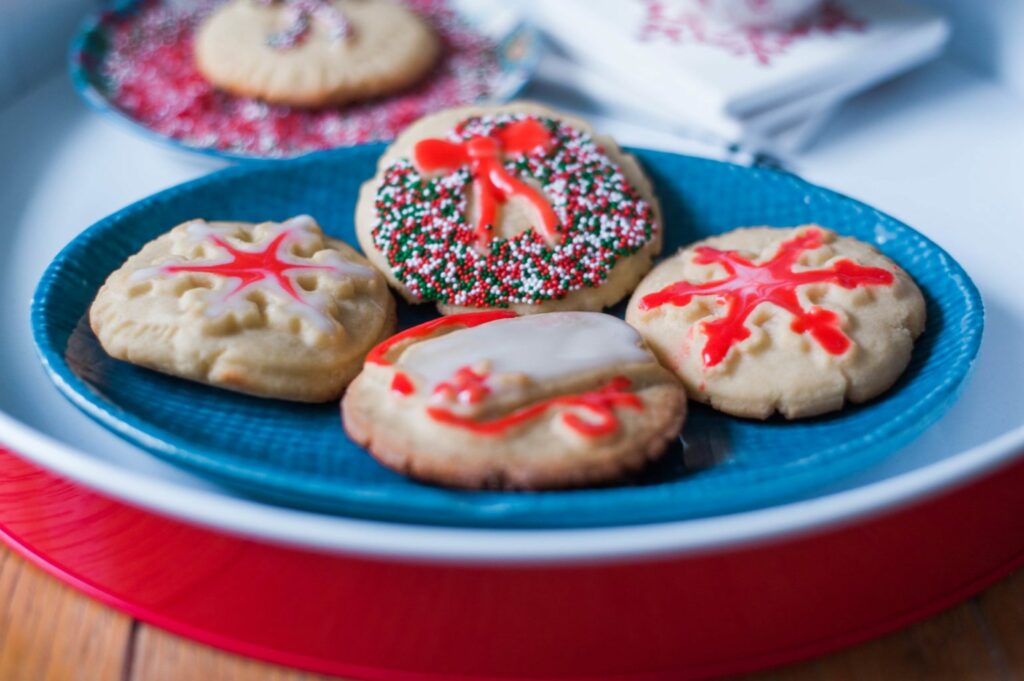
(271, 309)
(795, 320)
(509, 207)
(314, 53)
(496, 400)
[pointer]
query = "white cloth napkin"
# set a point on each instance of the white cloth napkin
(669, 60)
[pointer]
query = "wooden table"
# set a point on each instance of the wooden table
(50, 632)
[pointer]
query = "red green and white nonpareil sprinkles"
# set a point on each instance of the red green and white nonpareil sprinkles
(422, 227)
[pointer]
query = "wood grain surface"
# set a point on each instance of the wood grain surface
(49, 632)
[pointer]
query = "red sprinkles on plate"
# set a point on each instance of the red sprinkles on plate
(149, 73)
(421, 224)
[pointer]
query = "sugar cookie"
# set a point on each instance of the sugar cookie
(797, 320)
(270, 309)
(495, 400)
(512, 206)
(313, 53)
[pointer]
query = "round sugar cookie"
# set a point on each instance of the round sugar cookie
(270, 309)
(495, 400)
(312, 53)
(513, 206)
(795, 320)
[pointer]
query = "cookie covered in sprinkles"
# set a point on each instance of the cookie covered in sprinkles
(512, 206)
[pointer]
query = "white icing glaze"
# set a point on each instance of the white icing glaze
(542, 347)
(222, 298)
(201, 230)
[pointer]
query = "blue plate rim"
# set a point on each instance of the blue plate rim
(96, 101)
(370, 504)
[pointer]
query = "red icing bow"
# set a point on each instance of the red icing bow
(492, 184)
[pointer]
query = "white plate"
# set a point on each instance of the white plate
(73, 168)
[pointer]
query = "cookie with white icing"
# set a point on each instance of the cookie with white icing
(270, 309)
(495, 400)
(313, 53)
(513, 206)
(795, 320)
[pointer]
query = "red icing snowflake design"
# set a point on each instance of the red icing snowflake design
(684, 24)
(147, 70)
(748, 285)
(250, 267)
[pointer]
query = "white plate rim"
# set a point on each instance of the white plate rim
(342, 535)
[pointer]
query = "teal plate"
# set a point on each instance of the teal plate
(298, 455)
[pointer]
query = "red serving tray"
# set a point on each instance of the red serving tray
(685, 617)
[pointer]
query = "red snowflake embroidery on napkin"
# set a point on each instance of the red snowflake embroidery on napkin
(683, 24)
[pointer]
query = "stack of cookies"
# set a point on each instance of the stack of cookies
(520, 224)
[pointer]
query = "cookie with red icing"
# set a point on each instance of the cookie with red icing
(270, 309)
(512, 206)
(795, 320)
(496, 400)
(314, 53)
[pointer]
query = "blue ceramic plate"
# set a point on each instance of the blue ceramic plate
(515, 49)
(299, 455)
